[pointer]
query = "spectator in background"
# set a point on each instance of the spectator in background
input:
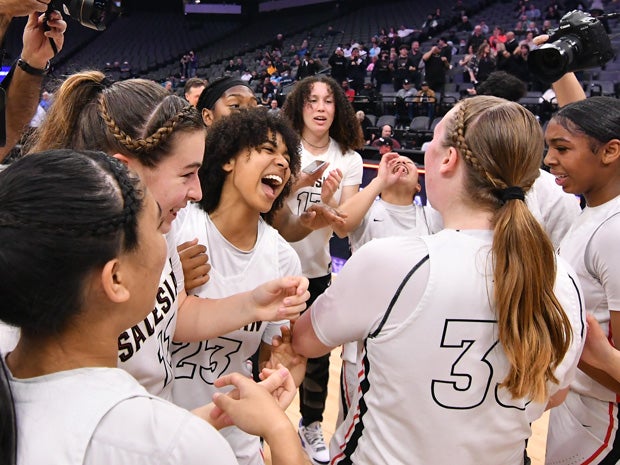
(382, 71)
(350, 93)
(464, 25)
(192, 64)
(476, 39)
(387, 132)
(338, 64)
(193, 88)
(273, 107)
(404, 67)
(356, 70)
(437, 64)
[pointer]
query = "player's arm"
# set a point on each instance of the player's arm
(305, 340)
(357, 205)
(279, 299)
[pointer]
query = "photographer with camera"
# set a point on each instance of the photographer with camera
(583, 154)
(23, 83)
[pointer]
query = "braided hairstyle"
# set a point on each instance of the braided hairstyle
(501, 143)
(63, 214)
(136, 117)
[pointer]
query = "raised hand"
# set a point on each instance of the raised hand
(330, 185)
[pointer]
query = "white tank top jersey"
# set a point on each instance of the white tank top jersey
(386, 220)
(144, 350)
(432, 363)
(591, 247)
(92, 416)
(198, 365)
(313, 250)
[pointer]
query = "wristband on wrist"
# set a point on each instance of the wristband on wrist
(26, 68)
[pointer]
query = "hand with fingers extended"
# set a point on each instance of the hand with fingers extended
(281, 299)
(386, 172)
(195, 262)
(598, 351)
(319, 216)
(282, 353)
(330, 185)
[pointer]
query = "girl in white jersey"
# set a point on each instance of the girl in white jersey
(392, 214)
(464, 335)
(250, 159)
(81, 217)
(161, 137)
(330, 132)
(584, 156)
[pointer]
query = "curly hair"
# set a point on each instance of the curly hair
(345, 129)
(235, 134)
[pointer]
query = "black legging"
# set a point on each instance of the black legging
(313, 389)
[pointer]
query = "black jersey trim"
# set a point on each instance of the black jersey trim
(397, 295)
(583, 318)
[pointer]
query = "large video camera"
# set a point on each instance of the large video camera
(579, 42)
(89, 13)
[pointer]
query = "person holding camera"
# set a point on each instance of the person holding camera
(23, 84)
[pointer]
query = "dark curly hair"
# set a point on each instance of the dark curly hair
(346, 129)
(231, 135)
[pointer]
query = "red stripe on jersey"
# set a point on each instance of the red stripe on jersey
(607, 436)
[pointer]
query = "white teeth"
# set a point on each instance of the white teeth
(275, 178)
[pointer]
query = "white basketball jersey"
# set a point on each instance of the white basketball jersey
(197, 365)
(429, 389)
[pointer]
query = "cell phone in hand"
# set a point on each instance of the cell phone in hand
(313, 167)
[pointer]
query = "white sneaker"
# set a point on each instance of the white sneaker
(313, 442)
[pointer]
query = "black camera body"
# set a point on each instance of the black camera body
(89, 13)
(579, 42)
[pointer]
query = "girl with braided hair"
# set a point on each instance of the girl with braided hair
(84, 218)
(469, 333)
(162, 138)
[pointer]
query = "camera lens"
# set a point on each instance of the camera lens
(90, 13)
(551, 61)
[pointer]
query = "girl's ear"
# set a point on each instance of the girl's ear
(229, 166)
(113, 282)
(611, 152)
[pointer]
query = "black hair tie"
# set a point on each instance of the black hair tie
(511, 193)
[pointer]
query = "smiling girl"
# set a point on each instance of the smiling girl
(250, 159)
(584, 157)
(161, 138)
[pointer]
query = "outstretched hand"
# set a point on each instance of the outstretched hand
(319, 216)
(281, 299)
(195, 262)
